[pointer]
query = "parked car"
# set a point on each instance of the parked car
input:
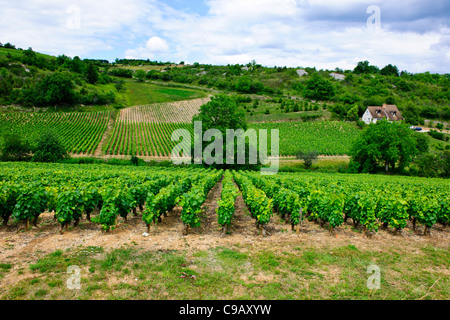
(418, 129)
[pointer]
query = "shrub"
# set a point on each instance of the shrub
(49, 149)
(15, 148)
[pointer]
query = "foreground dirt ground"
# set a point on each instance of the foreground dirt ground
(19, 247)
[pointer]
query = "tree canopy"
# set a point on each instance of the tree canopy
(49, 149)
(222, 114)
(383, 143)
(15, 148)
(318, 88)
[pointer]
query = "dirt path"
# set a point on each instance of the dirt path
(99, 150)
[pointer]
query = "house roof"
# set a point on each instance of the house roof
(390, 112)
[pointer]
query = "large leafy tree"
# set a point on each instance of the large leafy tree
(222, 114)
(384, 143)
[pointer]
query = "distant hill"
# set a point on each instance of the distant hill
(32, 79)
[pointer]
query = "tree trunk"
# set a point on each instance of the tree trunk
(135, 212)
(27, 224)
(5, 221)
(88, 217)
(332, 231)
(262, 228)
(414, 223)
(141, 207)
(224, 230)
(322, 222)
(148, 227)
(367, 233)
(427, 231)
(185, 229)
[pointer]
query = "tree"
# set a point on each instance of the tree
(49, 149)
(222, 114)
(120, 85)
(140, 75)
(383, 143)
(92, 73)
(429, 165)
(365, 67)
(56, 88)
(318, 88)
(352, 114)
(134, 160)
(15, 148)
(308, 157)
(421, 143)
(9, 46)
(29, 56)
(434, 165)
(76, 65)
(390, 70)
(411, 114)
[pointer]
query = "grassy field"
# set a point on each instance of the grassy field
(19, 53)
(324, 164)
(300, 271)
(142, 93)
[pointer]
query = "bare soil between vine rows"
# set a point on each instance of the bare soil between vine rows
(19, 247)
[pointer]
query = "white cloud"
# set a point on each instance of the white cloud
(292, 33)
(154, 47)
(158, 45)
(72, 27)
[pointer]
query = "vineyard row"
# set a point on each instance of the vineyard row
(25, 193)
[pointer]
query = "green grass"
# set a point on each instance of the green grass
(276, 116)
(329, 165)
(238, 272)
(19, 53)
(142, 93)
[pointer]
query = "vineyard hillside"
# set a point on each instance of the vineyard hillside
(146, 130)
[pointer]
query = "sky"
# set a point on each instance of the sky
(327, 34)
